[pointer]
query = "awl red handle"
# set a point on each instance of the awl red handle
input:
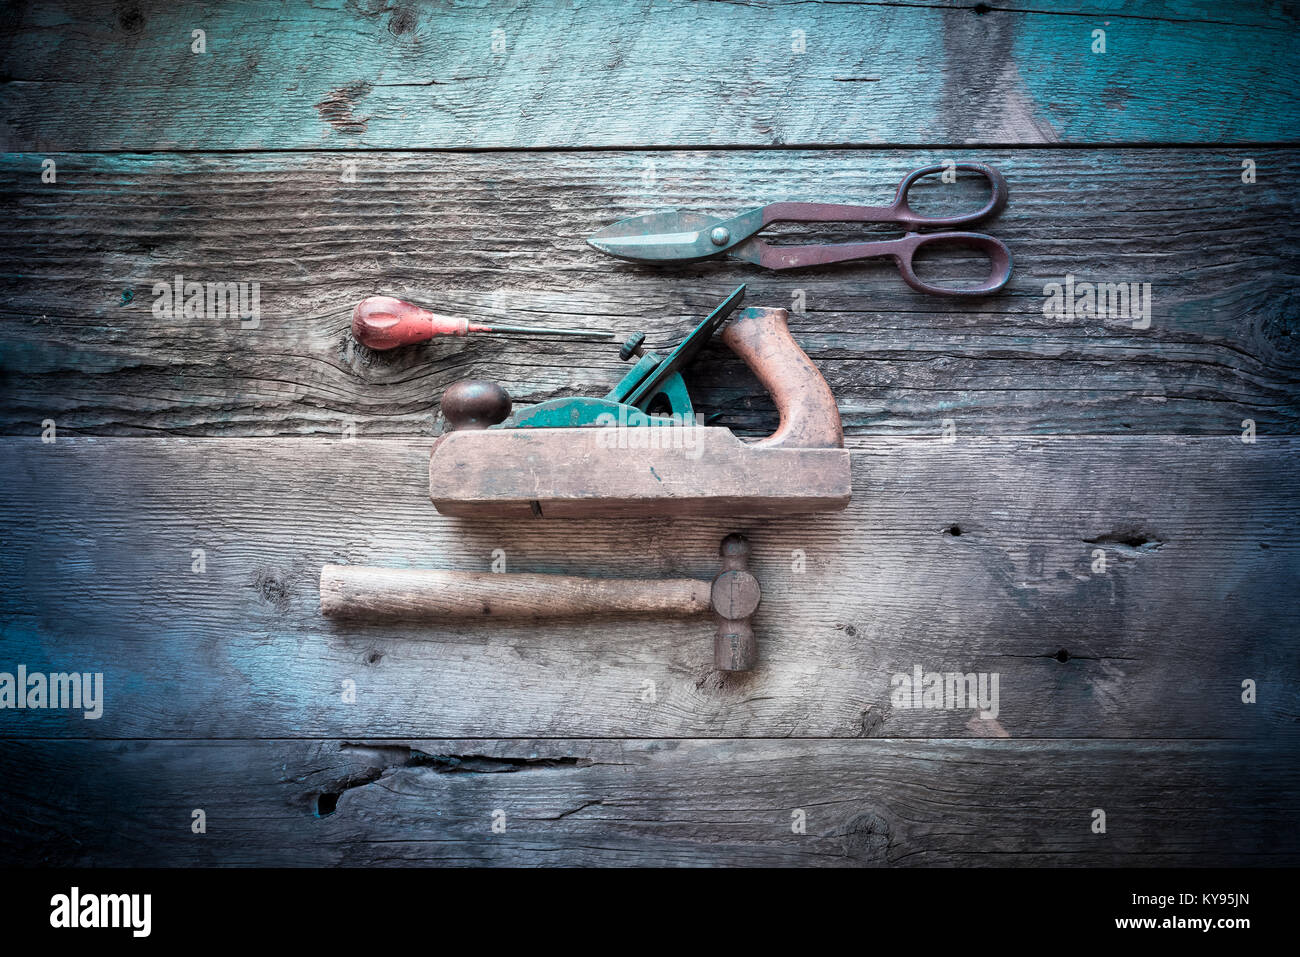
(382, 322)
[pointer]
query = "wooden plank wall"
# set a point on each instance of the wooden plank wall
(459, 154)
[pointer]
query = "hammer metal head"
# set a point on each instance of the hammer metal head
(735, 597)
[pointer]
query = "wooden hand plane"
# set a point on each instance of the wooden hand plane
(638, 450)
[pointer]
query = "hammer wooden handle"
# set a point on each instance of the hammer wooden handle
(350, 591)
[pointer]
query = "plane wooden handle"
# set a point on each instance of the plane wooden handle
(351, 591)
(810, 419)
(382, 322)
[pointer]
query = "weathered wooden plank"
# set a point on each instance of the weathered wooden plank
(501, 237)
(555, 73)
(947, 803)
(977, 557)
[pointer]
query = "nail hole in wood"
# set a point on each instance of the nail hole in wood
(326, 803)
(1062, 655)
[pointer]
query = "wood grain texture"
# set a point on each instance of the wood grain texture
(173, 535)
(500, 238)
(662, 803)
(974, 557)
(668, 472)
(605, 73)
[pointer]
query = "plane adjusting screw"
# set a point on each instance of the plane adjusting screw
(632, 347)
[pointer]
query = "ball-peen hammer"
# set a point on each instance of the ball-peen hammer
(350, 591)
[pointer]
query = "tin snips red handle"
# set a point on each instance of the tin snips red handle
(688, 237)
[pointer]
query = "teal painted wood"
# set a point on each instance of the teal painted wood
(500, 238)
(121, 76)
(976, 556)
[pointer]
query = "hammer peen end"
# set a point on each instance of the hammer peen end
(735, 597)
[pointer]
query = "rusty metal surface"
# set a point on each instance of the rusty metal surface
(734, 597)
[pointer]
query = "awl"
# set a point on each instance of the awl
(382, 322)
